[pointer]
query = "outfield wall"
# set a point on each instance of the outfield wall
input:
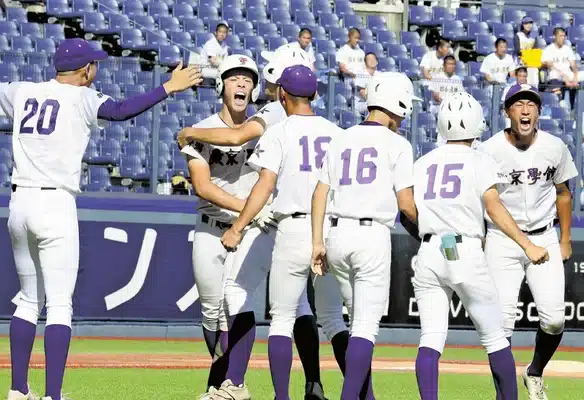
(136, 276)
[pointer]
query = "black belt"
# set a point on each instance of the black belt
(362, 222)
(221, 225)
(298, 215)
(428, 236)
(538, 230)
(42, 188)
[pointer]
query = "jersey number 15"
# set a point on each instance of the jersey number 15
(32, 108)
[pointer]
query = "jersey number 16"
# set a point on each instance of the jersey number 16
(32, 108)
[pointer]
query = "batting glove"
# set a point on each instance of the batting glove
(265, 219)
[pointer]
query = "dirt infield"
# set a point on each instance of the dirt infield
(563, 369)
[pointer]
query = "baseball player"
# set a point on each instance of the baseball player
(538, 167)
(287, 158)
(328, 300)
(368, 169)
(454, 185)
(52, 123)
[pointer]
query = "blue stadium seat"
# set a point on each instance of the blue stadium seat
(45, 45)
(132, 8)
(55, 32)
(8, 28)
(32, 73)
(169, 24)
(31, 29)
(8, 73)
(410, 39)
(107, 7)
(169, 55)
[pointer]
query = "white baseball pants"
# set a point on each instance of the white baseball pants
(359, 256)
(233, 276)
(435, 280)
(44, 232)
(509, 264)
(288, 278)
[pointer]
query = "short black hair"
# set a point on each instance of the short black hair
(499, 41)
(449, 57)
(353, 30)
(304, 30)
(371, 54)
(558, 29)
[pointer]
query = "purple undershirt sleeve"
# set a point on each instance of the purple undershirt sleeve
(113, 110)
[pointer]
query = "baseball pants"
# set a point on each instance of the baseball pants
(291, 262)
(435, 280)
(44, 232)
(509, 265)
(359, 256)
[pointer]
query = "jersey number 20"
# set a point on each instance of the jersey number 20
(32, 107)
(448, 177)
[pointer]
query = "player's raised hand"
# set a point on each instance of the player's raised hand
(318, 264)
(231, 239)
(183, 78)
(537, 255)
(566, 250)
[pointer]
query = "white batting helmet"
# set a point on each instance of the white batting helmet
(461, 117)
(392, 91)
(286, 56)
(239, 61)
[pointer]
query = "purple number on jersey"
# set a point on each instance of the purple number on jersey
(34, 107)
(318, 150)
(362, 166)
(447, 178)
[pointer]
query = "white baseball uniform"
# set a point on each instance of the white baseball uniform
(328, 301)
(294, 150)
(450, 182)
(531, 200)
(364, 169)
(52, 123)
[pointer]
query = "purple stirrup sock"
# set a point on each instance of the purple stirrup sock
(427, 373)
(280, 356)
(503, 368)
(242, 331)
(57, 340)
(22, 335)
(545, 347)
(358, 362)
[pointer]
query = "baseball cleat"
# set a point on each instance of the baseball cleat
(534, 385)
(16, 395)
(314, 391)
(229, 391)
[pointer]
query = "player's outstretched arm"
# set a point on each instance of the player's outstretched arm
(181, 79)
(501, 217)
(564, 208)
(221, 136)
(319, 200)
(406, 203)
(207, 190)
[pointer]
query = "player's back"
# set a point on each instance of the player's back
(51, 128)
(449, 185)
(366, 166)
(303, 142)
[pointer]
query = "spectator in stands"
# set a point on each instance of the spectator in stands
(351, 57)
(305, 43)
(445, 83)
(499, 65)
(215, 51)
(525, 38)
(560, 60)
(433, 61)
(361, 82)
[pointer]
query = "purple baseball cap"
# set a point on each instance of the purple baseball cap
(73, 54)
(299, 81)
(522, 92)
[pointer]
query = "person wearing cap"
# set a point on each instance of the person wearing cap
(214, 51)
(328, 301)
(52, 126)
(287, 158)
(538, 167)
(367, 173)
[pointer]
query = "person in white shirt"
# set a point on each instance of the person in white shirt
(499, 65)
(350, 57)
(560, 60)
(362, 80)
(433, 61)
(214, 51)
(445, 83)
(305, 43)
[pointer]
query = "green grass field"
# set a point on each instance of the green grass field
(134, 384)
